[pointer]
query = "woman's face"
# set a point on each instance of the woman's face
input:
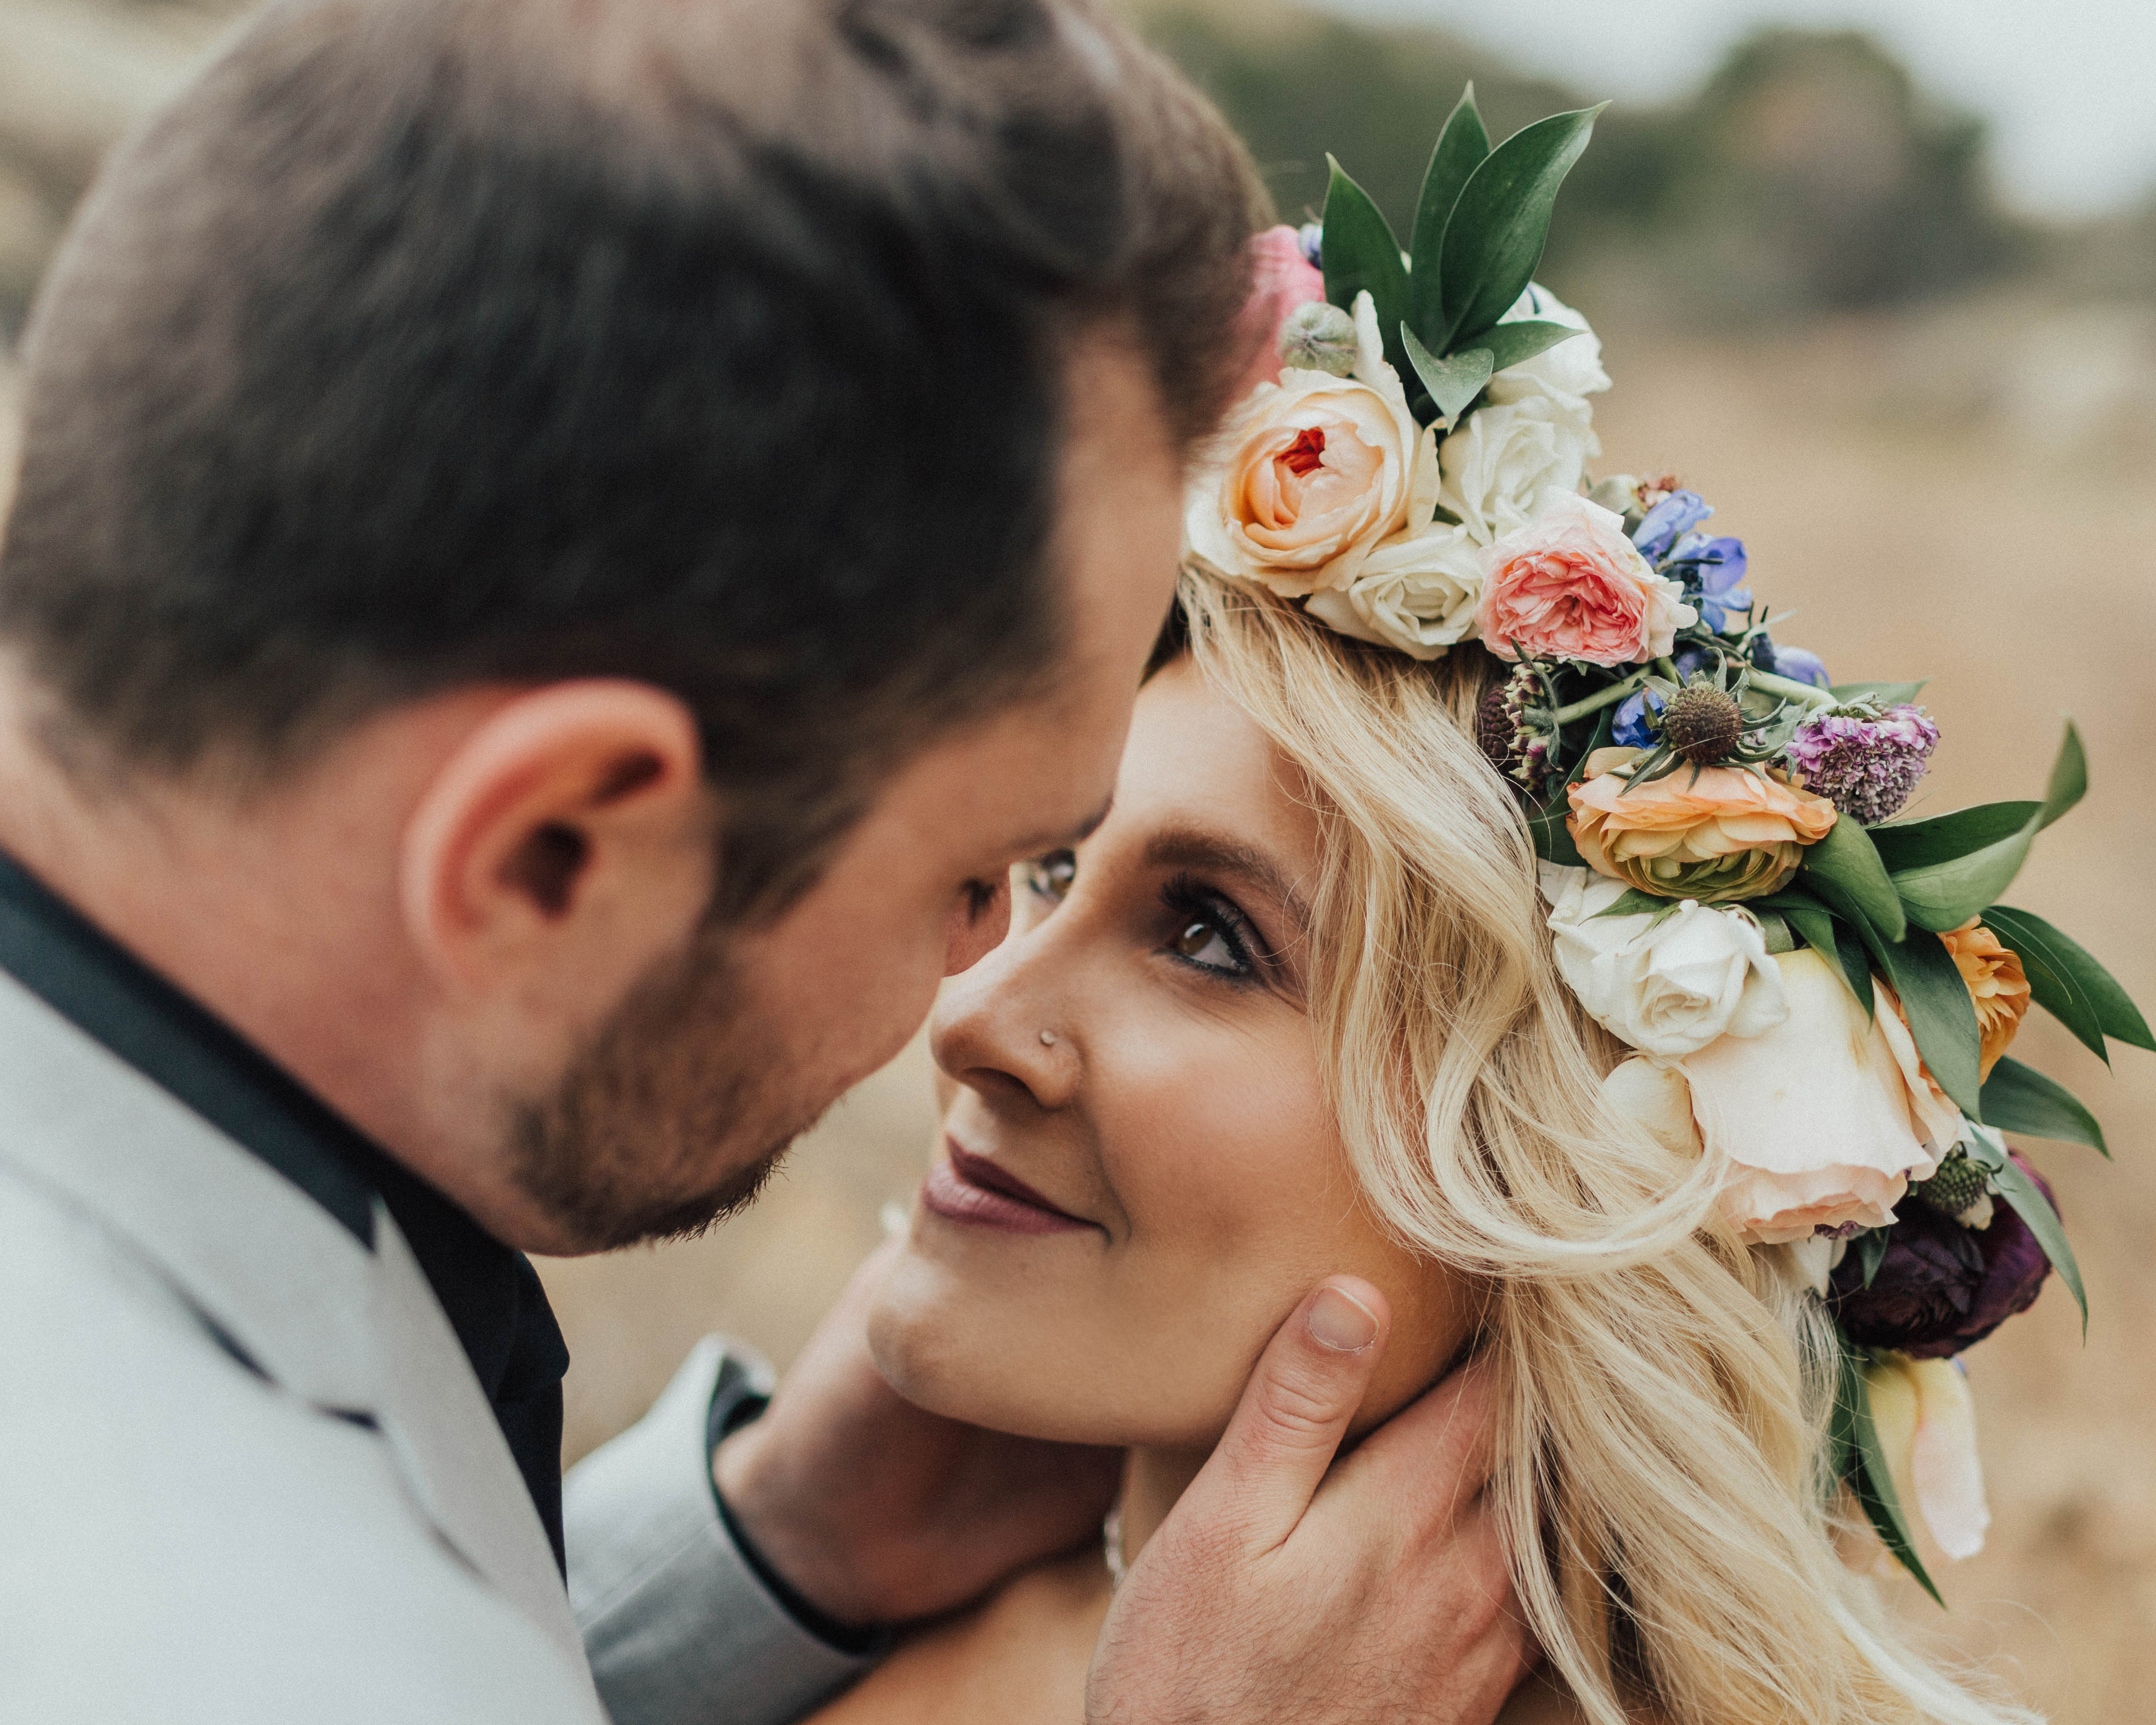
(1139, 1176)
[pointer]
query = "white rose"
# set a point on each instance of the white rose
(1670, 985)
(1571, 370)
(1813, 1117)
(1499, 466)
(1417, 593)
(1315, 473)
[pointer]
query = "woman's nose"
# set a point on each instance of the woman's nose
(1004, 1027)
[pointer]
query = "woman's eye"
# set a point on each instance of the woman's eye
(1050, 876)
(1204, 943)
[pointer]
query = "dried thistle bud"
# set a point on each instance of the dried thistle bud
(1955, 1190)
(1703, 725)
(1515, 745)
(1318, 337)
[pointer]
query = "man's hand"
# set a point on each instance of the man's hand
(877, 1512)
(1274, 1591)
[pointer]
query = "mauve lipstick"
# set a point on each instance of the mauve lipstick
(965, 1188)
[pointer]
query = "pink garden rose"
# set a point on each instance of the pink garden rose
(1570, 585)
(1282, 279)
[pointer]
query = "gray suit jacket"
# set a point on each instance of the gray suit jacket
(247, 1475)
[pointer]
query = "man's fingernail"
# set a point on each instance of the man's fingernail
(1342, 1324)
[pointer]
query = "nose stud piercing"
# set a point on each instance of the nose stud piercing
(1048, 1039)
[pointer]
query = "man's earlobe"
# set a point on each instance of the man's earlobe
(571, 825)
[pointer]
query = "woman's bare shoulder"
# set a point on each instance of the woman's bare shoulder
(1019, 1658)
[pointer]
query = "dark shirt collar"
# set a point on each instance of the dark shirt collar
(490, 1293)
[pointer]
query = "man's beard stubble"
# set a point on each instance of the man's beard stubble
(682, 1074)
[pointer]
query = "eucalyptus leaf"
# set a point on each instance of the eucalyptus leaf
(1453, 382)
(2030, 1205)
(2020, 1098)
(1942, 1017)
(1461, 149)
(1774, 930)
(1869, 1478)
(1633, 902)
(1886, 694)
(1494, 237)
(1361, 255)
(1942, 895)
(1918, 844)
(2065, 979)
(1847, 861)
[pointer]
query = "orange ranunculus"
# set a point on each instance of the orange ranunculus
(1718, 835)
(1996, 983)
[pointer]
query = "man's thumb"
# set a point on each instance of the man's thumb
(1295, 1410)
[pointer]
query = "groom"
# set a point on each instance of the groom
(564, 548)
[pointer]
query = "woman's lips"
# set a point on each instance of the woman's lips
(965, 1188)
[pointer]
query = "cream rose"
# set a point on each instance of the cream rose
(1813, 1115)
(1926, 1422)
(1500, 467)
(1572, 371)
(1318, 472)
(1416, 592)
(1669, 985)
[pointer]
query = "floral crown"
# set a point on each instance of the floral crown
(1821, 996)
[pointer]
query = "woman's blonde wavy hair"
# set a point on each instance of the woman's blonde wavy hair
(1662, 1480)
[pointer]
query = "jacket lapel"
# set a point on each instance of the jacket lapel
(273, 1274)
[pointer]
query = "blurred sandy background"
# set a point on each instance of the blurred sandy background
(1931, 420)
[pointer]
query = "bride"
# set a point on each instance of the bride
(1326, 993)
(1202, 1072)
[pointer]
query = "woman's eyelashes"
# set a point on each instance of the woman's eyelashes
(1211, 931)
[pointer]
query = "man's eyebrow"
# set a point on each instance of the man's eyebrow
(1073, 835)
(1193, 848)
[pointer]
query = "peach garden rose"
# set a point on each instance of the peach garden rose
(1570, 585)
(1716, 836)
(1318, 472)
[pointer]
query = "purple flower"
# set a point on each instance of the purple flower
(1676, 514)
(1631, 729)
(1925, 1288)
(1712, 571)
(1797, 665)
(1941, 1287)
(1311, 237)
(1866, 768)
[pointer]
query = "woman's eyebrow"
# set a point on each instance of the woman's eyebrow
(1192, 848)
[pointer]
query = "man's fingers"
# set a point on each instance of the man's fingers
(1295, 1410)
(1437, 1452)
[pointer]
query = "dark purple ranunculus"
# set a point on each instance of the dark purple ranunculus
(1941, 1287)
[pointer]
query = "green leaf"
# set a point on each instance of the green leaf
(1510, 344)
(2020, 1098)
(1856, 966)
(2030, 1205)
(1865, 1466)
(1546, 827)
(1872, 1252)
(1942, 1017)
(2068, 983)
(1461, 149)
(1633, 902)
(1918, 844)
(1361, 255)
(1494, 237)
(1453, 382)
(1888, 694)
(1847, 861)
(1945, 895)
(1774, 929)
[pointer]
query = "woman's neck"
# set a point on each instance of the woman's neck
(1153, 1480)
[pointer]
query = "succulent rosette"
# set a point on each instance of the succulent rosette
(1819, 993)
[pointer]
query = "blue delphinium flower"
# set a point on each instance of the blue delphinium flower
(1311, 237)
(1799, 666)
(1674, 516)
(1630, 729)
(1712, 571)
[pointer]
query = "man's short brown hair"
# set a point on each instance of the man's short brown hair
(719, 346)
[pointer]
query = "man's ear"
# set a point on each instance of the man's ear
(567, 838)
